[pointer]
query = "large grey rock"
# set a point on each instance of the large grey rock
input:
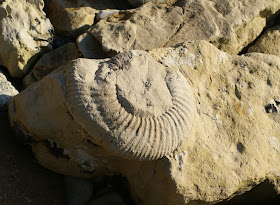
(233, 144)
(25, 33)
(230, 25)
(7, 90)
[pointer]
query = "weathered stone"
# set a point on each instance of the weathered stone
(268, 43)
(51, 61)
(104, 13)
(140, 2)
(25, 33)
(233, 145)
(7, 90)
(78, 191)
(148, 126)
(72, 18)
(90, 47)
(230, 25)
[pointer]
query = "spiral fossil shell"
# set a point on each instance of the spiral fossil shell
(131, 104)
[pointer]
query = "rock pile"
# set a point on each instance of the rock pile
(179, 97)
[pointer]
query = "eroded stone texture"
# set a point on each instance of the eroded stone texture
(268, 43)
(233, 145)
(140, 2)
(25, 33)
(90, 47)
(75, 156)
(135, 113)
(104, 13)
(230, 25)
(72, 18)
(7, 90)
(131, 105)
(51, 61)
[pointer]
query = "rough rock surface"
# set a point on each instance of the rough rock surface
(233, 146)
(140, 2)
(230, 25)
(72, 18)
(268, 43)
(25, 32)
(90, 47)
(7, 90)
(51, 61)
(144, 129)
(104, 13)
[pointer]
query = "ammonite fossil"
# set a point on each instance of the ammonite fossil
(131, 104)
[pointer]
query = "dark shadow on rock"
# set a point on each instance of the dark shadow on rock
(262, 194)
(22, 181)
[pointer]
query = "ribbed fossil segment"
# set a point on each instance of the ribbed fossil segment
(131, 104)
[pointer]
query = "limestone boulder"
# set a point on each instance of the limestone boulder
(268, 43)
(229, 134)
(235, 141)
(7, 90)
(25, 33)
(72, 18)
(51, 61)
(230, 25)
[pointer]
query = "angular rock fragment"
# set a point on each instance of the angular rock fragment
(230, 25)
(72, 18)
(268, 43)
(51, 61)
(234, 143)
(25, 33)
(90, 47)
(7, 90)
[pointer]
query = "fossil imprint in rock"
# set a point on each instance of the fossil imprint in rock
(131, 104)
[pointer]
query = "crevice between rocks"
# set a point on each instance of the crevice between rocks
(262, 194)
(272, 21)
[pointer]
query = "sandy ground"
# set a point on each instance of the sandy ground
(22, 181)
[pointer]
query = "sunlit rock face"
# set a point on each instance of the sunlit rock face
(231, 146)
(26, 32)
